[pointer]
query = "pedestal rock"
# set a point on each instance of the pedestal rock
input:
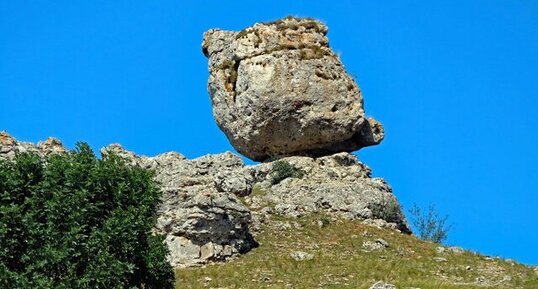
(277, 89)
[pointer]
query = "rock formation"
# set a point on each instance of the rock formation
(9, 146)
(200, 223)
(212, 205)
(277, 89)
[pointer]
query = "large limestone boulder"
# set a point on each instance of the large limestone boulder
(277, 89)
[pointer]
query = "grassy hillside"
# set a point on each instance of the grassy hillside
(341, 261)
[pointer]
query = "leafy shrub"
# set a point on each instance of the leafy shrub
(386, 209)
(282, 170)
(325, 221)
(73, 221)
(429, 225)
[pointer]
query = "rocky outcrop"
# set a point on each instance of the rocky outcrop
(9, 146)
(277, 89)
(211, 204)
(337, 184)
(200, 223)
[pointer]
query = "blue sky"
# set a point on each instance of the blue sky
(454, 83)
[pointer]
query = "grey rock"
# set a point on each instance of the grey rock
(278, 89)
(456, 250)
(51, 146)
(236, 182)
(202, 218)
(440, 250)
(380, 224)
(282, 226)
(9, 147)
(267, 210)
(382, 285)
(439, 259)
(290, 210)
(301, 256)
(182, 250)
(382, 242)
(338, 184)
(202, 221)
(376, 245)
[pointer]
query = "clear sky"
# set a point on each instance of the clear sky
(454, 83)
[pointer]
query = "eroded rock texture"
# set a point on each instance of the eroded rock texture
(9, 146)
(200, 223)
(337, 184)
(211, 204)
(277, 89)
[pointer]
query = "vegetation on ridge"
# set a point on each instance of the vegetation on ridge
(429, 225)
(282, 170)
(73, 221)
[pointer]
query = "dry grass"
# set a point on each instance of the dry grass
(341, 262)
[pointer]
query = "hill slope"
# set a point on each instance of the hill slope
(345, 254)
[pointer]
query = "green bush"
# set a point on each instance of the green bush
(282, 170)
(429, 225)
(74, 221)
(387, 209)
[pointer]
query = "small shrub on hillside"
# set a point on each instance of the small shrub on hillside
(282, 170)
(324, 221)
(73, 221)
(429, 225)
(386, 209)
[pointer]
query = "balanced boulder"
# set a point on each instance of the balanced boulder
(277, 89)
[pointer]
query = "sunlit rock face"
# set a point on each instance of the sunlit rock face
(209, 211)
(277, 89)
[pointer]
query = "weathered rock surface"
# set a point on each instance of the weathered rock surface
(200, 223)
(382, 285)
(9, 146)
(337, 184)
(376, 245)
(203, 218)
(277, 89)
(301, 256)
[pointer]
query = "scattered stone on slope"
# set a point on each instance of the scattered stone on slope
(440, 250)
(455, 250)
(382, 285)
(376, 245)
(301, 256)
(277, 89)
